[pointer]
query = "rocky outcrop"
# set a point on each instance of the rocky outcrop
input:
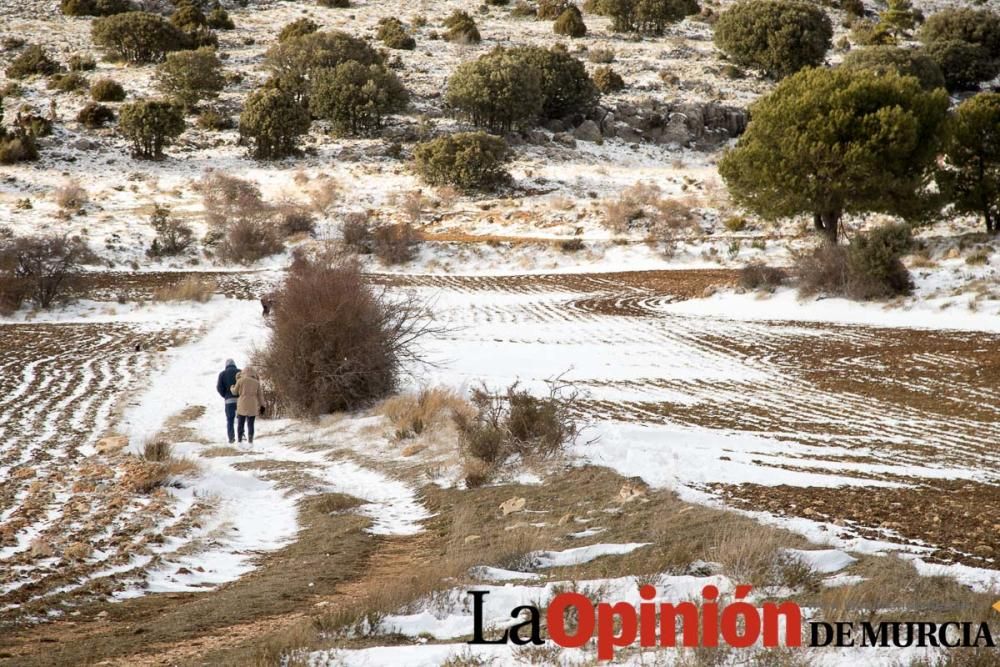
(699, 125)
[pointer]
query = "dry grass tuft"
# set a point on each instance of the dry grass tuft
(428, 409)
(71, 196)
(189, 289)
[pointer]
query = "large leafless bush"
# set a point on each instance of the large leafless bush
(337, 343)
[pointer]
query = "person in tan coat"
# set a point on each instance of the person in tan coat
(249, 403)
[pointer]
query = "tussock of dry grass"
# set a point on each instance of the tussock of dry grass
(189, 289)
(428, 409)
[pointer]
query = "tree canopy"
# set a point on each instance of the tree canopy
(970, 175)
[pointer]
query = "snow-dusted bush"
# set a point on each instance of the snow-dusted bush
(607, 80)
(570, 23)
(138, 37)
(393, 34)
(356, 98)
(335, 342)
(150, 125)
(297, 28)
(395, 244)
(272, 122)
(191, 76)
(552, 9)
(107, 90)
(467, 160)
(33, 60)
(461, 28)
(646, 16)
(94, 115)
(779, 37)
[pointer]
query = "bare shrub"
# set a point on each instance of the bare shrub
(40, 268)
(295, 219)
(513, 422)
(634, 204)
(396, 244)
(758, 275)
(869, 268)
(191, 288)
(226, 197)
(824, 269)
(356, 233)
(248, 240)
(336, 343)
(157, 450)
(412, 205)
(323, 194)
(173, 237)
(70, 196)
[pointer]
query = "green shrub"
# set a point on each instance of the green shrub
(647, 16)
(509, 88)
(292, 60)
(95, 7)
(467, 160)
(94, 115)
(870, 33)
(607, 80)
(78, 63)
(272, 122)
(17, 146)
(218, 19)
(210, 119)
(297, 28)
(908, 62)
(496, 91)
(107, 90)
(191, 76)
(523, 9)
(570, 23)
(67, 82)
(188, 17)
(356, 98)
(33, 60)
(548, 10)
(393, 34)
(779, 37)
(150, 125)
(963, 64)
(138, 37)
(965, 43)
(461, 28)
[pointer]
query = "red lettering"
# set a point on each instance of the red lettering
(556, 619)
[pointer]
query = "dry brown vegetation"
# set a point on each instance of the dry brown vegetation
(430, 408)
(191, 288)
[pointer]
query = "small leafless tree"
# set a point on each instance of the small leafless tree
(41, 268)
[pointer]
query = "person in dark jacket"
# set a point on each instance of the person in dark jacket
(224, 386)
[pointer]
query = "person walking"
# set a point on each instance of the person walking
(227, 378)
(250, 402)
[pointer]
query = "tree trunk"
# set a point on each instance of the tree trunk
(828, 223)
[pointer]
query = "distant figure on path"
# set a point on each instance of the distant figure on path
(224, 386)
(250, 402)
(267, 303)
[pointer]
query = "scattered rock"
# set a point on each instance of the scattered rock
(588, 131)
(564, 138)
(469, 539)
(630, 491)
(564, 519)
(512, 505)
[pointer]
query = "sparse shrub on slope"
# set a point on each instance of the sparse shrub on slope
(551, 9)
(335, 342)
(291, 61)
(272, 122)
(335, 4)
(356, 98)
(173, 237)
(150, 125)
(779, 37)
(607, 80)
(218, 19)
(396, 244)
(138, 37)
(393, 34)
(908, 62)
(67, 82)
(94, 115)
(297, 28)
(33, 60)
(467, 160)
(191, 76)
(647, 16)
(570, 23)
(107, 90)
(461, 28)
